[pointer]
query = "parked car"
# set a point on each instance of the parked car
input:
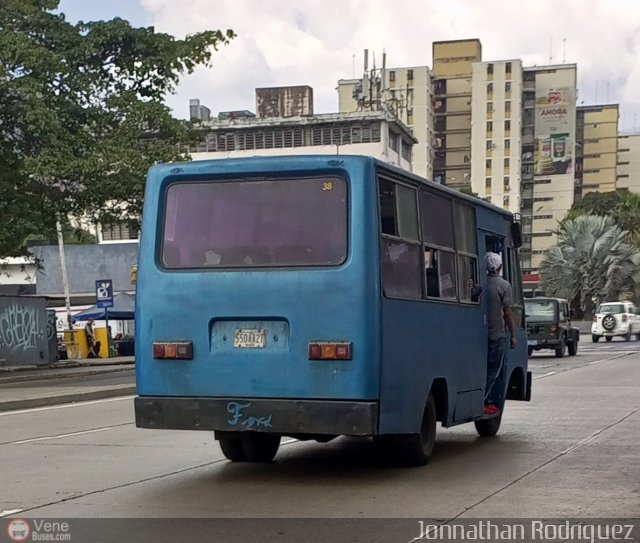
(615, 319)
(549, 326)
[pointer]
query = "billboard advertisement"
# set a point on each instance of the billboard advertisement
(554, 130)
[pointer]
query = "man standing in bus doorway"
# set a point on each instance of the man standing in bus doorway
(500, 299)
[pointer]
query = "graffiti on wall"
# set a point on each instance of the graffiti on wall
(52, 328)
(20, 328)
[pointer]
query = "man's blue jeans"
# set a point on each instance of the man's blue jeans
(495, 366)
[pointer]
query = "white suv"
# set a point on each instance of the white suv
(615, 319)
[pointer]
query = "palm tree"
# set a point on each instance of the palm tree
(593, 261)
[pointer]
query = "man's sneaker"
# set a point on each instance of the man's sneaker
(490, 409)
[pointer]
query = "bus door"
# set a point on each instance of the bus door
(496, 243)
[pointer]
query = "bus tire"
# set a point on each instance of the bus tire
(416, 449)
(488, 427)
(260, 447)
(232, 449)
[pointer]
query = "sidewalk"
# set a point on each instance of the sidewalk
(65, 368)
(25, 387)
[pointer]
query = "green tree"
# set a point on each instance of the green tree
(82, 115)
(592, 260)
(622, 206)
(595, 203)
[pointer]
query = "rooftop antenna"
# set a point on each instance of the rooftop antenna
(383, 78)
(564, 50)
(551, 50)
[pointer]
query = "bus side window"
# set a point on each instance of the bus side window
(170, 256)
(400, 257)
(439, 254)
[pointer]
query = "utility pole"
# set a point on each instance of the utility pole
(63, 267)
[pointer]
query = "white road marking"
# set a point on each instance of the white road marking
(7, 512)
(60, 436)
(64, 406)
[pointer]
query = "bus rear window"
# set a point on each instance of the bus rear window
(255, 223)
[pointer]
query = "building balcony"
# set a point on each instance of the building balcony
(453, 94)
(454, 131)
(465, 147)
(460, 166)
(454, 113)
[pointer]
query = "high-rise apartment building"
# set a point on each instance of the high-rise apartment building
(452, 74)
(548, 156)
(629, 161)
(405, 92)
(496, 132)
(596, 149)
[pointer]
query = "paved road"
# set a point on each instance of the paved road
(572, 451)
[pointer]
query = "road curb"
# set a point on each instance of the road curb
(22, 377)
(67, 398)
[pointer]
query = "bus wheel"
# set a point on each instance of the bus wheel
(488, 427)
(260, 447)
(232, 448)
(416, 449)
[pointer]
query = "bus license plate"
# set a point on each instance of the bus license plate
(249, 338)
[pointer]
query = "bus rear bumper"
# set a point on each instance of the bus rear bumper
(329, 417)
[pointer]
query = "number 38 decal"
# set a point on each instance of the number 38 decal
(327, 186)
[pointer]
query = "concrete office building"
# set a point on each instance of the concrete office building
(285, 126)
(496, 125)
(406, 93)
(629, 161)
(372, 133)
(596, 149)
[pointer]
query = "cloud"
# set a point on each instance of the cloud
(317, 42)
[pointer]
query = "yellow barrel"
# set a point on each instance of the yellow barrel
(76, 342)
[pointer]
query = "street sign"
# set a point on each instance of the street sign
(104, 292)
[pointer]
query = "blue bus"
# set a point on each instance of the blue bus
(316, 297)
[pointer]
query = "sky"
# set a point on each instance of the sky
(318, 42)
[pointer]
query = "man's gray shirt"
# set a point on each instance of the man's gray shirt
(499, 292)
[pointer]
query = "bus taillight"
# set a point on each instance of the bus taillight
(330, 350)
(179, 350)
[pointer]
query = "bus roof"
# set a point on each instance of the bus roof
(292, 161)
